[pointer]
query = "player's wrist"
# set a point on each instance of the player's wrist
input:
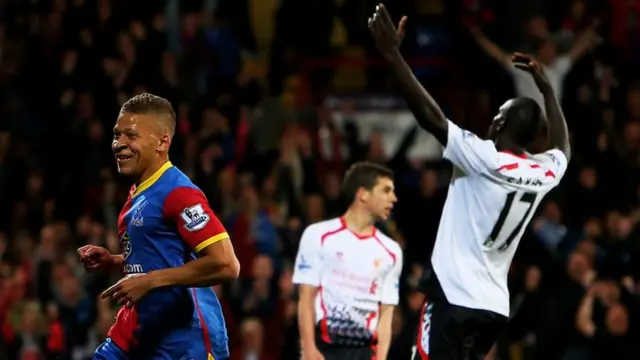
(392, 54)
(155, 281)
(309, 345)
(117, 263)
(117, 260)
(546, 89)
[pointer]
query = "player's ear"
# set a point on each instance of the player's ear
(500, 125)
(163, 143)
(363, 194)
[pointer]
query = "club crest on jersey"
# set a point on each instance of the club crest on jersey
(137, 219)
(194, 218)
(125, 243)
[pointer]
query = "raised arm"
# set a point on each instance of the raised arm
(557, 131)
(388, 39)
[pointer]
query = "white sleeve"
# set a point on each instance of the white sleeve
(309, 259)
(391, 284)
(555, 161)
(468, 152)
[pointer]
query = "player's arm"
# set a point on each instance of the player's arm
(557, 131)
(425, 109)
(118, 261)
(307, 316)
(200, 229)
(390, 299)
(306, 275)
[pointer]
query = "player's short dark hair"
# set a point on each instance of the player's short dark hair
(524, 121)
(363, 174)
(146, 103)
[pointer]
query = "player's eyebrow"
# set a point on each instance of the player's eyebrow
(129, 131)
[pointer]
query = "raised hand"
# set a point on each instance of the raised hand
(531, 66)
(388, 38)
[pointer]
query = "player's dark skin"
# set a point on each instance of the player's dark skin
(141, 144)
(510, 126)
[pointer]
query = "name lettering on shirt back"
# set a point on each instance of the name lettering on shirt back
(525, 174)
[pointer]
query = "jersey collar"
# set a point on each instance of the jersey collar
(152, 179)
(343, 221)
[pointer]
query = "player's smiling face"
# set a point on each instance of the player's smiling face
(133, 142)
(381, 199)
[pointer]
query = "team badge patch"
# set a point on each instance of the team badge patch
(194, 218)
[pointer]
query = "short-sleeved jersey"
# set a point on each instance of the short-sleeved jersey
(354, 275)
(165, 222)
(492, 197)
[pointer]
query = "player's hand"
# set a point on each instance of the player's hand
(95, 257)
(388, 39)
(129, 290)
(531, 66)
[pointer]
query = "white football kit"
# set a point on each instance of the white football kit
(353, 274)
(492, 197)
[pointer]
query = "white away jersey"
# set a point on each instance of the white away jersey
(354, 275)
(492, 197)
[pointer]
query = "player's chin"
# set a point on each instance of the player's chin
(384, 214)
(125, 169)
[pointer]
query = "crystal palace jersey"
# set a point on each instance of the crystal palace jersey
(354, 275)
(165, 222)
(492, 196)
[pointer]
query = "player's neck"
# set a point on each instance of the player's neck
(360, 222)
(505, 144)
(152, 169)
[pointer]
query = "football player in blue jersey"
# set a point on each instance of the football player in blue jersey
(174, 249)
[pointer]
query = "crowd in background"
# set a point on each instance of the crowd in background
(256, 136)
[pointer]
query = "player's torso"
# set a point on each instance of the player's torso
(353, 269)
(150, 242)
(482, 223)
(166, 320)
(147, 240)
